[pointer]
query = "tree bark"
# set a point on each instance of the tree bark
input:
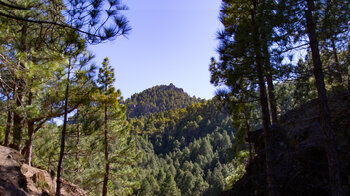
(78, 135)
(268, 72)
(9, 117)
(8, 127)
(63, 138)
(105, 180)
(337, 64)
(270, 86)
(272, 188)
(272, 99)
(18, 120)
(328, 132)
(29, 145)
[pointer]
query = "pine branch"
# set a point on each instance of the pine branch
(13, 6)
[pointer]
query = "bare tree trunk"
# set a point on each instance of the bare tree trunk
(269, 74)
(330, 145)
(78, 136)
(9, 117)
(8, 127)
(269, 78)
(337, 64)
(270, 86)
(18, 120)
(105, 180)
(272, 99)
(272, 188)
(29, 145)
(28, 152)
(63, 137)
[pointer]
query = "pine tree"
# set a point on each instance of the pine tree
(34, 31)
(106, 79)
(242, 64)
(169, 186)
(328, 132)
(123, 151)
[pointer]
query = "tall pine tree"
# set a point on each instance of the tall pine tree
(118, 150)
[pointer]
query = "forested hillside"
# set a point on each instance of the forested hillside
(277, 125)
(184, 149)
(158, 99)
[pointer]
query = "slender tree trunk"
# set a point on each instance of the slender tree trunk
(105, 180)
(29, 145)
(18, 120)
(330, 145)
(30, 123)
(272, 99)
(269, 74)
(8, 127)
(63, 138)
(337, 64)
(10, 114)
(270, 86)
(272, 188)
(78, 136)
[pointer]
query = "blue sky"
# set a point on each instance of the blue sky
(171, 42)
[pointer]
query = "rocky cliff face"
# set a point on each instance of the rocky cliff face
(17, 178)
(300, 163)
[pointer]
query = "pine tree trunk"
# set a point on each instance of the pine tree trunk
(8, 127)
(272, 99)
(78, 137)
(9, 118)
(63, 138)
(337, 64)
(29, 143)
(105, 180)
(272, 188)
(330, 145)
(270, 86)
(269, 75)
(18, 121)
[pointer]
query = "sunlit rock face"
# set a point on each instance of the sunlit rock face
(17, 178)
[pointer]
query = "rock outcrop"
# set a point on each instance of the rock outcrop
(17, 178)
(300, 162)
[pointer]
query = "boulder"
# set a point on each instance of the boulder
(17, 178)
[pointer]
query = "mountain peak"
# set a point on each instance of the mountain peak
(159, 98)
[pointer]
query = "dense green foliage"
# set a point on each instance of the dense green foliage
(99, 147)
(46, 73)
(184, 150)
(158, 99)
(256, 63)
(163, 141)
(84, 164)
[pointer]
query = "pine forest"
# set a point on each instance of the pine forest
(278, 124)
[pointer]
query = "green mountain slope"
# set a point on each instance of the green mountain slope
(184, 148)
(158, 99)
